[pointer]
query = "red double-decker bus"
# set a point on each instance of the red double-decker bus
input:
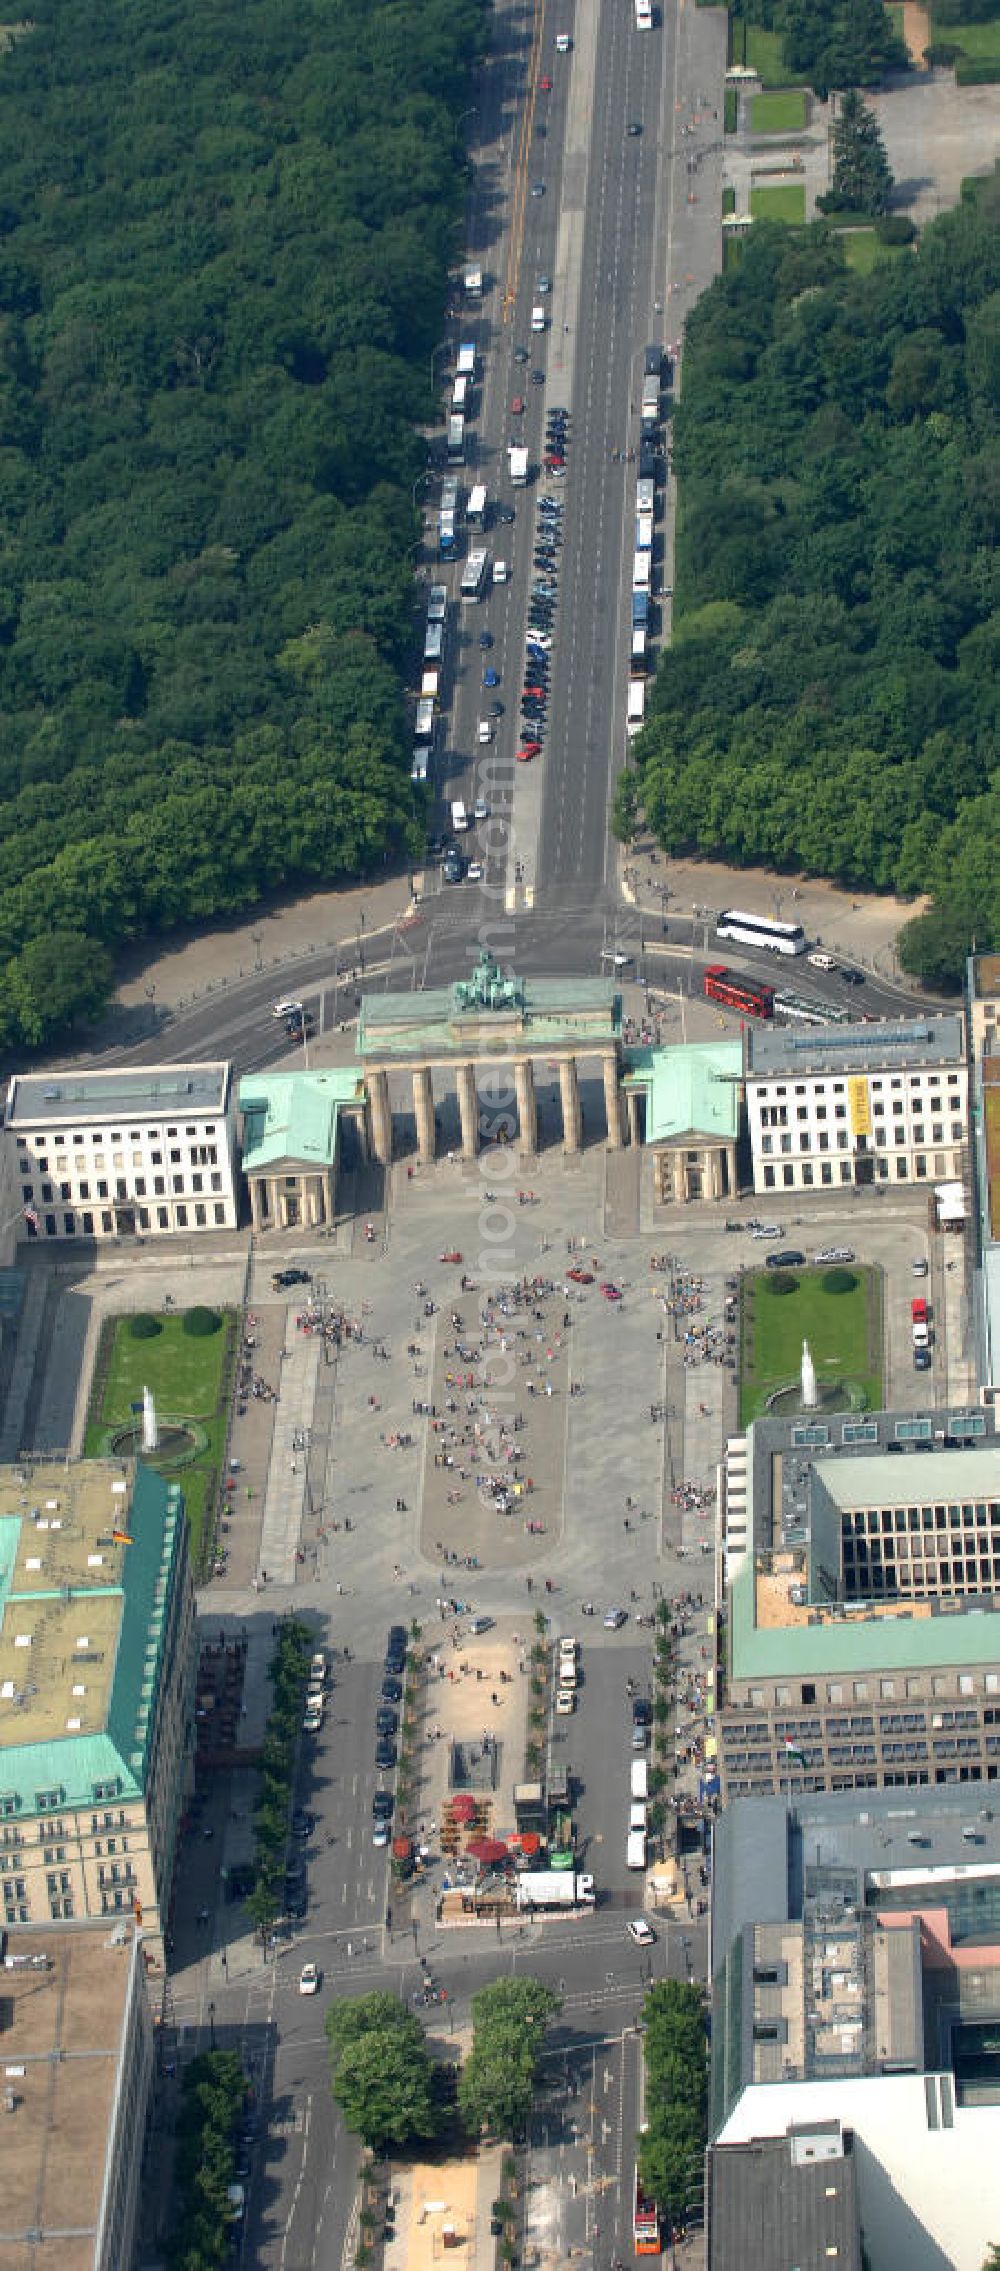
(736, 992)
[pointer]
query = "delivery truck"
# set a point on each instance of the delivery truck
(518, 462)
(553, 1888)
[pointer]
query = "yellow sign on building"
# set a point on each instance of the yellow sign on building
(861, 1119)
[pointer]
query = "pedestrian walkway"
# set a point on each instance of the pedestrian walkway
(286, 1483)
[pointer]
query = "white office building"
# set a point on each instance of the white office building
(144, 1151)
(885, 1103)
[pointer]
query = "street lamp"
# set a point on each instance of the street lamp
(211, 2023)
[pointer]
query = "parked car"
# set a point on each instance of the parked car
(789, 1258)
(835, 1254)
(385, 1753)
(614, 1619)
(285, 1278)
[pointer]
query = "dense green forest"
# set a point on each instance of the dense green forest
(831, 700)
(827, 44)
(226, 229)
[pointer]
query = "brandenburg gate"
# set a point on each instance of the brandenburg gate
(472, 1027)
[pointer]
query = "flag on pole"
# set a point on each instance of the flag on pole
(793, 1755)
(32, 1218)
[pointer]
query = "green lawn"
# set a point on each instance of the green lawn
(863, 250)
(190, 1381)
(981, 40)
(786, 201)
(844, 1332)
(783, 112)
(728, 200)
(763, 53)
(894, 11)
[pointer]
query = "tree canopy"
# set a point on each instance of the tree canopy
(225, 237)
(672, 2144)
(831, 699)
(831, 43)
(383, 2075)
(500, 2075)
(862, 176)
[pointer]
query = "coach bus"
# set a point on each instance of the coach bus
(759, 930)
(737, 992)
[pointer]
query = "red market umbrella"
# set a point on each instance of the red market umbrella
(487, 1850)
(463, 1808)
(530, 1842)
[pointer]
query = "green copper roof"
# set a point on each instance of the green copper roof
(82, 1653)
(293, 1116)
(858, 1639)
(691, 1090)
(490, 1014)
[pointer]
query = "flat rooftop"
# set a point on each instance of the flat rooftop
(900, 1044)
(865, 1458)
(85, 1552)
(540, 1013)
(63, 2026)
(984, 976)
(147, 1092)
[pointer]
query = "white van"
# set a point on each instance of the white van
(637, 1815)
(317, 1670)
(538, 318)
(418, 769)
(641, 571)
(821, 961)
(635, 1850)
(460, 397)
(640, 1778)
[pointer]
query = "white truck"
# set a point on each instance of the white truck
(553, 1888)
(467, 360)
(640, 1779)
(645, 496)
(636, 705)
(459, 817)
(473, 283)
(475, 510)
(518, 462)
(643, 15)
(635, 1850)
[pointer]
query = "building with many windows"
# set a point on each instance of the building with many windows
(132, 1151)
(855, 1963)
(862, 1635)
(882, 1103)
(96, 1692)
(77, 2043)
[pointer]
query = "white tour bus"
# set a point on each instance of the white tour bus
(759, 930)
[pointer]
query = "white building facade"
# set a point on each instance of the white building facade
(144, 1151)
(855, 1105)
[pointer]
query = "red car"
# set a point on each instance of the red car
(517, 406)
(537, 693)
(527, 751)
(545, 84)
(581, 1277)
(611, 1292)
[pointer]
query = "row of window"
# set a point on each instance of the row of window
(945, 1514)
(885, 1688)
(59, 1138)
(875, 1086)
(125, 1191)
(801, 1142)
(939, 1165)
(86, 1228)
